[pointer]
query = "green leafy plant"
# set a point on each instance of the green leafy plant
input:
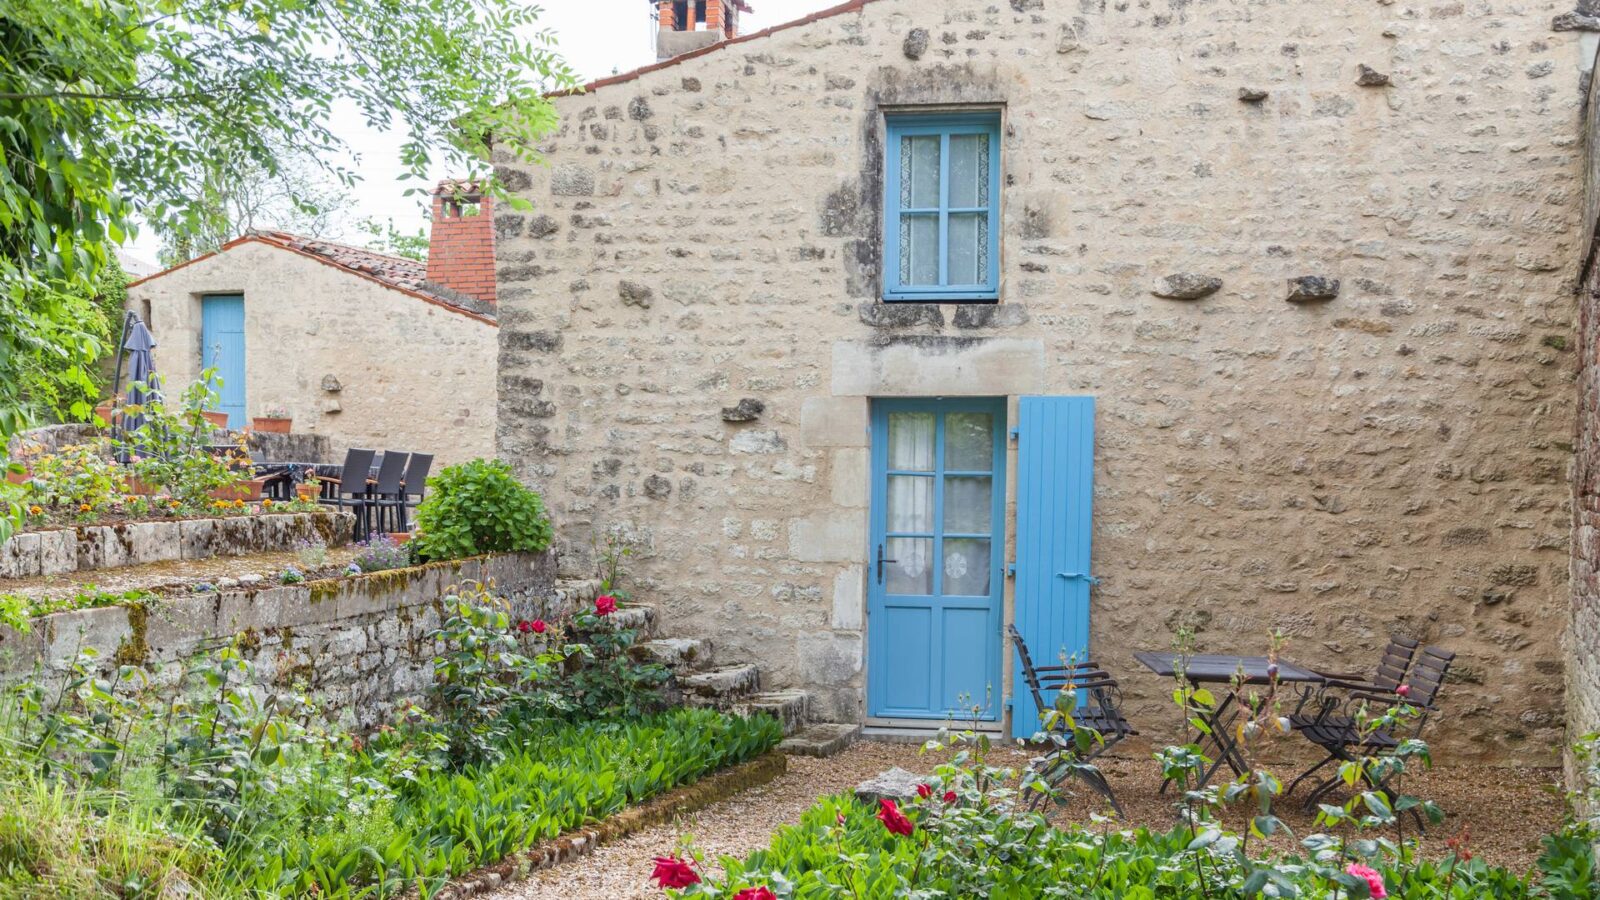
(479, 507)
(169, 449)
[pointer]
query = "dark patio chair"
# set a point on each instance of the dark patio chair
(1099, 709)
(416, 481)
(388, 491)
(1337, 731)
(349, 489)
(1313, 708)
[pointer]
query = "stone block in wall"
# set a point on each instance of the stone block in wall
(197, 538)
(829, 659)
(937, 366)
(177, 629)
(829, 537)
(849, 607)
(103, 630)
(24, 557)
(849, 482)
(236, 536)
(58, 552)
(152, 542)
(833, 422)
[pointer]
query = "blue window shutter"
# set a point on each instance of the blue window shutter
(1055, 494)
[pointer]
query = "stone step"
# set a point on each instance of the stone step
(641, 619)
(721, 687)
(791, 708)
(821, 739)
(572, 593)
(691, 654)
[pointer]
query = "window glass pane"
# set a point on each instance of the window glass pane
(911, 503)
(911, 441)
(968, 442)
(969, 170)
(969, 248)
(919, 249)
(966, 505)
(910, 572)
(919, 171)
(966, 567)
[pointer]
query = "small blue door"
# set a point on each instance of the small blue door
(936, 574)
(1055, 496)
(222, 348)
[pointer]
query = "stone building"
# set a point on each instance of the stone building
(367, 349)
(1229, 315)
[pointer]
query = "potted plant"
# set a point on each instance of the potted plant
(216, 418)
(309, 490)
(274, 419)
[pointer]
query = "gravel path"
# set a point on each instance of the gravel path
(1507, 809)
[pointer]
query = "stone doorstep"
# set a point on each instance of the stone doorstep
(691, 654)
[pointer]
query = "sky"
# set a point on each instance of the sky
(597, 38)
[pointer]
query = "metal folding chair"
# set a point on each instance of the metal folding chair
(1338, 732)
(1392, 668)
(1099, 709)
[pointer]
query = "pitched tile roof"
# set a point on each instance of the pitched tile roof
(397, 272)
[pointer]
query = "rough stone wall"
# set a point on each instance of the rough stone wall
(1393, 459)
(1583, 635)
(408, 374)
(360, 645)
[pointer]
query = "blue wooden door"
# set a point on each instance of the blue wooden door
(1055, 494)
(936, 574)
(222, 348)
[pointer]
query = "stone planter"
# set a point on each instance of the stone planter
(217, 419)
(271, 426)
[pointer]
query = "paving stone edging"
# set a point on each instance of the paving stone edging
(656, 811)
(61, 551)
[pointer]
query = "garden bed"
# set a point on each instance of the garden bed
(97, 547)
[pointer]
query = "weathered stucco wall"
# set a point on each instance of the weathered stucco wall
(360, 645)
(412, 375)
(1394, 459)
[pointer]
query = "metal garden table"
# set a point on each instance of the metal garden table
(1213, 669)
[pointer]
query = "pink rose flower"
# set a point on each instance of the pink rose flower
(1371, 877)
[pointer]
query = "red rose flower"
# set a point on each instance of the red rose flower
(605, 605)
(1403, 690)
(524, 626)
(755, 893)
(924, 791)
(893, 819)
(538, 626)
(672, 872)
(949, 796)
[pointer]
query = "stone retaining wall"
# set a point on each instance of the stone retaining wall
(137, 543)
(358, 644)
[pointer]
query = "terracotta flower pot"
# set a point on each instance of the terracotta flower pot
(135, 486)
(18, 477)
(244, 490)
(217, 419)
(399, 537)
(271, 426)
(308, 492)
(103, 413)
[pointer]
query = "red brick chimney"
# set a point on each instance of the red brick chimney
(686, 25)
(461, 245)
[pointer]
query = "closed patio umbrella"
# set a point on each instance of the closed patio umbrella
(137, 344)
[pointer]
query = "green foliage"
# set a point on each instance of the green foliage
(169, 449)
(609, 681)
(90, 597)
(106, 101)
(384, 237)
(479, 507)
(77, 479)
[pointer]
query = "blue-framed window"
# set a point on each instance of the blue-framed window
(942, 207)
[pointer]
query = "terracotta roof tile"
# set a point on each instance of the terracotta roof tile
(396, 271)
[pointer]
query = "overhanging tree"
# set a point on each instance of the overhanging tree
(111, 109)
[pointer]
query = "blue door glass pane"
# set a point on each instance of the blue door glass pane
(934, 601)
(222, 348)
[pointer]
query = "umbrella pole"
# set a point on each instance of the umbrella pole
(116, 378)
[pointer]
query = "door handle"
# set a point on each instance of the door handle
(1086, 577)
(881, 561)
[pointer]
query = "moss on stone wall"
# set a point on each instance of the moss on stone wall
(134, 649)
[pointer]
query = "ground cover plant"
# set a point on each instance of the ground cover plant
(213, 785)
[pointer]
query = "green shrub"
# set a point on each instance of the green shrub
(479, 507)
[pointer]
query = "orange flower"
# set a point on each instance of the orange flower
(267, 502)
(38, 511)
(84, 507)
